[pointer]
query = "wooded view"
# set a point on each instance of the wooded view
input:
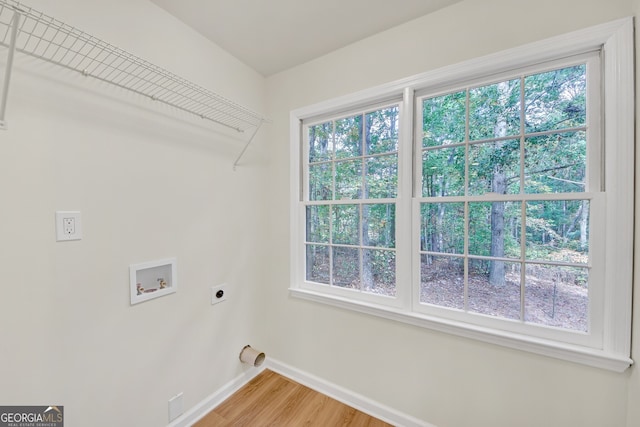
(354, 159)
(502, 207)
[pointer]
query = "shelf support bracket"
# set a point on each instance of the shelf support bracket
(255, 131)
(9, 67)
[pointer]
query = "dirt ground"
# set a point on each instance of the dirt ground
(547, 301)
(556, 297)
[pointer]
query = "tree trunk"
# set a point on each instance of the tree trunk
(310, 250)
(496, 268)
(498, 186)
(367, 272)
(584, 219)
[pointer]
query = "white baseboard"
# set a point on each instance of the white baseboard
(334, 391)
(209, 403)
(348, 397)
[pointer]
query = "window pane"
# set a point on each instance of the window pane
(349, 179)
(442, 281)
(320, 142)
(346, 267)
(379, 225)
(381, 132)
(494, 229)
(557, 296)
(379, 272)
(558, 230)
(318, 264)
(556, 163)
(318, 224)
(443, 119)
(320, 181)
(442, 227)
(348, 137)
(382, 177)
(443, 172)
(499, 297)
(494, 167)
(346, 223)
(556, 99)
(494, 110)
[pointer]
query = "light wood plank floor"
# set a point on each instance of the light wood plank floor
(273, 400)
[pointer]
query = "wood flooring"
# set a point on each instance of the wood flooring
(273, 400)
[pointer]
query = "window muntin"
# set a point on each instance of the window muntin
(352, 174)
(505, 204)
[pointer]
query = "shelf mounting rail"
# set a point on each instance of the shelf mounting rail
(33, 33)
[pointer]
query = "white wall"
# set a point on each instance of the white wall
(445, 380)
(150, 183)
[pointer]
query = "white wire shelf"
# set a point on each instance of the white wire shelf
(28, 31)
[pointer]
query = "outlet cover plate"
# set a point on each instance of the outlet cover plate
(68, 226)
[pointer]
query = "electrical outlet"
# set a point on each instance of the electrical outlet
(219, 293)
(68, 226)
(175, 407)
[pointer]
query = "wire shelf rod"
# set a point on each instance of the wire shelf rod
(53, 41)
(9, 67)
(255, 131)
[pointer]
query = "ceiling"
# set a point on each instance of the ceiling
(273, 35)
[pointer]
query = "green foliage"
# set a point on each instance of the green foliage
(556, 163)
(381, 178)
(318, 224)
(479, 151)
(383, 267)
(443, 227)
(556, 99)
(521, 136)
(320, 137)
(353, 158)
(487, 158)
(494, 110)
(348, 137)
(443, 172)
(444, 120)
(381, 131)
(379, 225)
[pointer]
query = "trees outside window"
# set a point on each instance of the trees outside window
(491, 199)
(352, 170)
(495, 237)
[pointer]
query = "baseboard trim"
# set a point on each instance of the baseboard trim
(341, 394)
(346, 396)
(209, 403)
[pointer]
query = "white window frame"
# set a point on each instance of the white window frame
(611, 349)
(403, 274)
(593, 194)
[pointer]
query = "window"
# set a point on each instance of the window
(509, 173)
(352, 172)
(487, 200)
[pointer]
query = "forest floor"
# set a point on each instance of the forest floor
(547, 301)
(554, 296)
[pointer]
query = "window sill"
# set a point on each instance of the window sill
(583, 355)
